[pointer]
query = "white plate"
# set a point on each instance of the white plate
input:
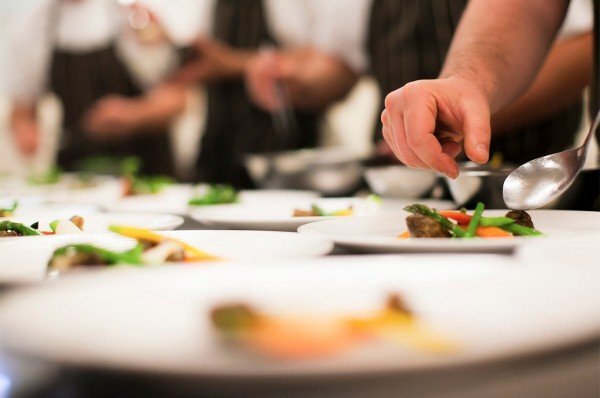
(279, 216)
(156, 319)
(174, 199)
(24, 260)
(104, 189)
(49, 210)
(99, 222)
(377, 234)
(262, 196)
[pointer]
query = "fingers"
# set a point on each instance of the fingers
(393, 132)
(412, 114)
(261, 79)
(476, 130)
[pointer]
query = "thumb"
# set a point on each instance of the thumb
(477, 131)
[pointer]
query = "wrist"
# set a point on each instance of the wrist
(474, 84)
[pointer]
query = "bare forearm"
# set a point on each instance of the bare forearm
(500, 45)
(162, 105)
(322, 80)
(560, 83)
(22, 112)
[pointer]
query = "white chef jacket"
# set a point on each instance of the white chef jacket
(87, 25)
(292, 23)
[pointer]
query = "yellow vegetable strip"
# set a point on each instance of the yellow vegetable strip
(144, 234)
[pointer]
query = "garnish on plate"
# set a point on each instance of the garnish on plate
(311, 337)
(13, 229)
(136, 184)
(429, 223)
(216, 195)
(151, 249)
(8, 211)
(49, 177)
(317, 211)
(74, 225)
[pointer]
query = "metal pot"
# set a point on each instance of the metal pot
(330, 171)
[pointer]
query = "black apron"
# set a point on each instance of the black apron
(409, 40)
(235, 126)
(81, 79)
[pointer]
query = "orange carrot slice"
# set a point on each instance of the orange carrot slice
(289, 339)
(492, 232)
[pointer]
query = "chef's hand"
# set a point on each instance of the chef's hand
(113, 116)
(213, 61)
(26, 133)
(267, 72)
(262, 77)
(427, 123)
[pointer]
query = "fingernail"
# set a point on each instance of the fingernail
(482, 151)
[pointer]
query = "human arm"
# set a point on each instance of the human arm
(213, 61)
(560, 83)
(314, 79)
(25, 128)
(118, 115)
(495, 54)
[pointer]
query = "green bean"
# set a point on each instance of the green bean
(132, 256)
(474, 223)
(520, 230)
(495, 221)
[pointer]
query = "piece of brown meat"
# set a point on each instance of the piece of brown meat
(421, 226)
(521, 217)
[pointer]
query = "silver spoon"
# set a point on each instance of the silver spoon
(540, 181)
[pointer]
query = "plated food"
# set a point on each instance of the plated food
(13, 229)
(290, 215)
(308, 337)
(318, 211)
(8, 211)
(135, 183)
(380, 233)
(150, 249)
(157, 321)
(424, 222)
(215, 195)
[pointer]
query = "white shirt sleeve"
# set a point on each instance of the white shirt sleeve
(579, 19)
(29, 49)
(289, 21)
(341, 29)
(183, 20)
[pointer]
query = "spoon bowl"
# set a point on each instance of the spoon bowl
(542, 180)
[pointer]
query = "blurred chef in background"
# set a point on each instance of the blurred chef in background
(97, 57)
(239, 31)
(403, 41)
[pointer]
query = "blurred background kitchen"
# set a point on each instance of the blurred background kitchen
(193, 87)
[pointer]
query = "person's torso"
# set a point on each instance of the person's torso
(409, 39)
(235, 126)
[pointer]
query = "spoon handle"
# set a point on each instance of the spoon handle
(590, 133)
